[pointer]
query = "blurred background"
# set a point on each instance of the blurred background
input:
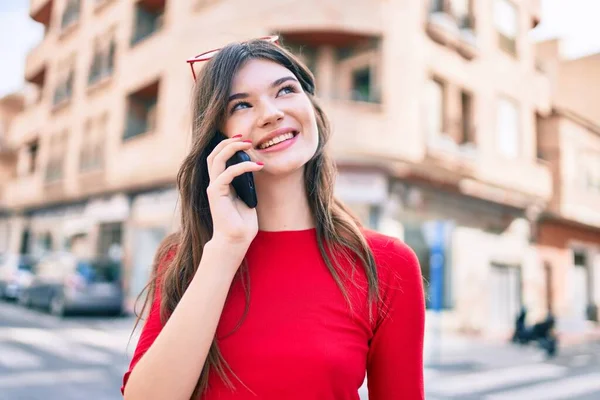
(470, 129)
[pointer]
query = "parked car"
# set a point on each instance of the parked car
(64, 283)
(16, 272)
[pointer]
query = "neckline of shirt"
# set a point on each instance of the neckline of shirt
(285, 234)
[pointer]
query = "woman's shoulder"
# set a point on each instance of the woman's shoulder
(391, 254)
(383, 244)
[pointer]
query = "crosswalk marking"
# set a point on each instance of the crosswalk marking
(15, 358)
(567, 388)
(117, 343)
(488, 380)
(37, 378)
(52, 343)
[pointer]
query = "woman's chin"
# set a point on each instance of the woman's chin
(281, 168)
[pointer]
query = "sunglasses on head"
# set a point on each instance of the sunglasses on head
(207, 55)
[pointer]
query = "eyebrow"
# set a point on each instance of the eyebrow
(276, 83)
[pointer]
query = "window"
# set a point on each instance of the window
(461, 10)
(467, 130)
(579, 258)
(32, 155)
(434, 109)
(437, 6)
(507, 128)
(308, 54)
(361, 85)
(56, 156)
(71, 13)
(148, 19)
(64, 88)
(506, 22)
(92, 145)
(103, 58)
(141, 111)
(591, 171)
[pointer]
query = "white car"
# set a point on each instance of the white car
(16, 273)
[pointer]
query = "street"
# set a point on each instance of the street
(43, 357)
(470, 370)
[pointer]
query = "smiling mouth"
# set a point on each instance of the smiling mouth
(277, 140)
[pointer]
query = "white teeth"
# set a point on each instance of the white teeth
(275, 140)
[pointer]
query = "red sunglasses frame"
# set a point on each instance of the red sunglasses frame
(207, 55)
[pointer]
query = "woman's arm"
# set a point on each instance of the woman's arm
(395, 361)
(172, 364)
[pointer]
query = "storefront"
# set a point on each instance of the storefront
(154, 215)
(478, 266)
(572, 253)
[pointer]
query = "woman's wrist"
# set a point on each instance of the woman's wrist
(223, 255)
(224, 246)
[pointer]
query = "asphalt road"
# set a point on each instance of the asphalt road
(44, 357)
(47, 358)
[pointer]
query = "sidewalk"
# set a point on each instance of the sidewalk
(448, 352)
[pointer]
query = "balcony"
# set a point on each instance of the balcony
(7, 149)
(358, 129)
(363, 17)
(24, 192)
(459, 158)
(36, 62)
(41, 11)
(580, 206)
(28, 124)
(456, 33)
(517, 183)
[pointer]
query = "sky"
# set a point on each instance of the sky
(574, 21)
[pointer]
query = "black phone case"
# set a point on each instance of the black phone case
(242, 184)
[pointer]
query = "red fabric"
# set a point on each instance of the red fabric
(300, 340)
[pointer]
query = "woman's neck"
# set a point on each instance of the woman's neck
(283, 203)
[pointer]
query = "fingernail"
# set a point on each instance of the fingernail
(236, 136)
(247, 141)
(259, 162)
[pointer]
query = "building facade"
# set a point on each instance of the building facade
(10, 106)
(569, 231)
(434, 105)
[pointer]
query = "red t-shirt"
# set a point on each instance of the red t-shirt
(299, 339)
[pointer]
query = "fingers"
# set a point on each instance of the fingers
(218, 158)
(230, 173)
(221, 146)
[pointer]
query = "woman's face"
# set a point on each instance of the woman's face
(268, 106)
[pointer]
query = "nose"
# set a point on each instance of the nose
(269, 114)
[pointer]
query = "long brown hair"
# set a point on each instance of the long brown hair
(338, 232)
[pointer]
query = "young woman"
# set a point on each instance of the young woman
(288, 300)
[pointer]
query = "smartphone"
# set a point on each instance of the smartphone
(242, 184)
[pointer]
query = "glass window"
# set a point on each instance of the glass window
(506, 22)
(434, 106)
(507, 128)
(461, 9)
(361, 84)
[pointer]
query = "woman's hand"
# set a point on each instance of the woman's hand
(234, 223)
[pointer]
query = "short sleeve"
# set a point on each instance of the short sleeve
(152, 327)
(395, 359)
